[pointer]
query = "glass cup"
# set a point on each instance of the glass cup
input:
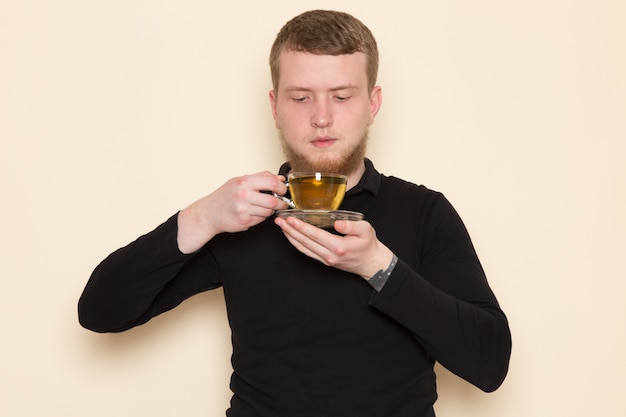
(317, 190)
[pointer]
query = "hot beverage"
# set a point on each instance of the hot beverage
(317, 191)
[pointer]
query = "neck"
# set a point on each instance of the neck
(355, 176)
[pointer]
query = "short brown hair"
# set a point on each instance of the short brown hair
(326, 32)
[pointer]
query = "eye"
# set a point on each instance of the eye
(300, 99)
(342, 98)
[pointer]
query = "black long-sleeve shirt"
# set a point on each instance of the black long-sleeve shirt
(311, 340)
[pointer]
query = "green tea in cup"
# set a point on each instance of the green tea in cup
(317, 190)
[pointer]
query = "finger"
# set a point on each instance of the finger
(305, 231)
(267, 201)
(311, 240)
(351, 227)
(266, 181)
(305, 250)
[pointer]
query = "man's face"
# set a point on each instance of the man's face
(323, 110)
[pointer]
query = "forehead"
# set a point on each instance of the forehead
(307, 70)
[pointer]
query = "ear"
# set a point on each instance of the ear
(272, 97)
(376, 100)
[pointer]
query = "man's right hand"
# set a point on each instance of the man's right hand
(234, 207)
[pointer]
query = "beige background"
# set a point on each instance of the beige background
(115, 114)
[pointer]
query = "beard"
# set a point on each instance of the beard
(346, 163)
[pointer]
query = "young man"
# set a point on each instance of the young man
(324, 323)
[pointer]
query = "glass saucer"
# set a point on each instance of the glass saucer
(320, 218)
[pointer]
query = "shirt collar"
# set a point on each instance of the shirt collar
(370, 181)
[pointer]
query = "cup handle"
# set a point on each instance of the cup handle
(285, 199)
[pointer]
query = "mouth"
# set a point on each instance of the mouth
(323, 142)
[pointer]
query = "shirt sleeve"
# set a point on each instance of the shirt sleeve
(143, 279)
(449, 306)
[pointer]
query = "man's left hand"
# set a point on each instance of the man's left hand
(356, 250)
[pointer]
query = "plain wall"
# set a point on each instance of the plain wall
(116, 114)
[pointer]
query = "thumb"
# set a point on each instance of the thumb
(345, 227)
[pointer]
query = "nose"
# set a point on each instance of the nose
(322, 115)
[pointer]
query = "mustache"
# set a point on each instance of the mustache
(344, 162)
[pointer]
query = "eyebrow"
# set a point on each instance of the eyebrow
(338, 88)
